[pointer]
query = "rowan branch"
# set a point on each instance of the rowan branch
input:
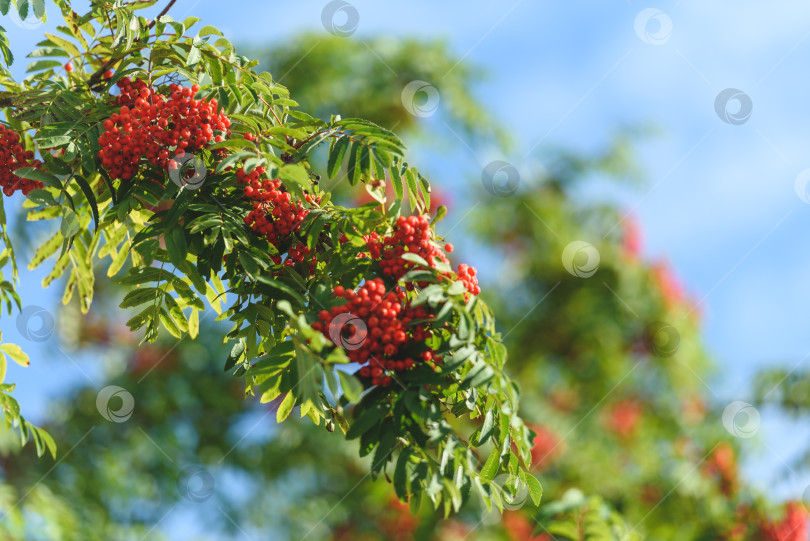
(99, 73)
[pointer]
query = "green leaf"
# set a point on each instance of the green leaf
(209, 30)
(487, 428)
(401, 475)
(188, 22)
(490, 467)
(285, 407)
(43, 65)
(91, 197)
(46, 250)
(39, 8)
(194, 324)
(441, 212)
(16, 353)
(70, 223)
(176, 314)
(478, 376)
(366, 421)
(282, 286)
(48, 440)
(237, 351)
(295, 173)
(396, 180)
(384, 449)
(53, 141)
(353, 168)
(118, 261)
(413, 191)
(64, 44)
(352, 388)
(415, 258)
(169, 324)
(456, 288)
(336, 155)
(37, 174)
(534, 486)
(194, 56)
(176, 246)
(140, 296)
(141, 275)
(42, 197)
(425, 185)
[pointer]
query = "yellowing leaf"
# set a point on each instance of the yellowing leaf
(16, 353)
(194, 324)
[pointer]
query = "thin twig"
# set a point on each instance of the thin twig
(99, 73)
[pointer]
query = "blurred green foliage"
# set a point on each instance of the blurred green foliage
(366, 76)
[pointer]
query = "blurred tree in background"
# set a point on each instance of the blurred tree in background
(368, 76)
(605, 345)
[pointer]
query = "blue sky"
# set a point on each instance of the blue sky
(720, 203)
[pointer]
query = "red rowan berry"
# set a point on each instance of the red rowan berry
(388, 328)
(148, 126)
(12, 157)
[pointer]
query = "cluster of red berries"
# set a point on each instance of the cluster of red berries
(275, 215)
(792, 528)
(467, 275)
(297, 254)
(153, 126)
(373, 327)
(413, 235)
(13, 156)
(722, 465)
